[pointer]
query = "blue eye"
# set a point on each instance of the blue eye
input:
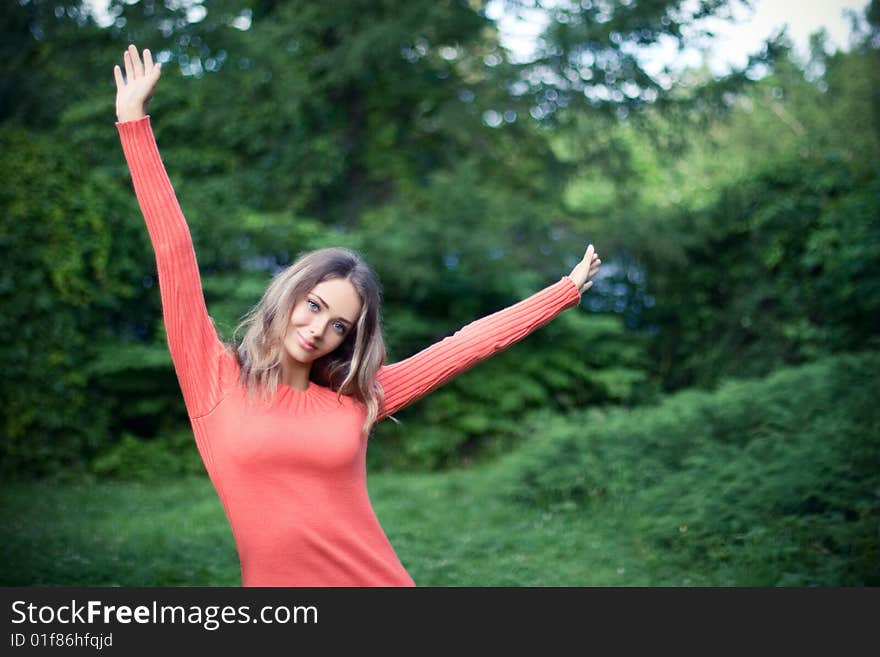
(339, 326)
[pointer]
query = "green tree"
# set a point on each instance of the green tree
(401, 129)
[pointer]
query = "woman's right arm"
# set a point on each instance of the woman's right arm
(196, 350)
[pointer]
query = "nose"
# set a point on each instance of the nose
(316, 331)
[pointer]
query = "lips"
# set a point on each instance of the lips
(305, 344)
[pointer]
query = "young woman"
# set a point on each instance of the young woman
(281, 420)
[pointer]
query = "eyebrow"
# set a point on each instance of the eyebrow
(342, 319)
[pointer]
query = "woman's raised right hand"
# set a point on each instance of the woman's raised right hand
(134, 91)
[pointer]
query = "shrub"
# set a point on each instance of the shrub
(778, 478)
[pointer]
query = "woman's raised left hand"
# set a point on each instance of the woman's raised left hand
(134, 90)
(585, 270)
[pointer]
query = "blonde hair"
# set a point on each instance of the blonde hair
(351, 368)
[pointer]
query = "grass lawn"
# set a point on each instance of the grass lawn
(448, 529)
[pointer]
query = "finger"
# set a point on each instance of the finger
(587, 286)
(129, 71)
(136, 62)
(148, 61)
(589, 254)
(117, 73)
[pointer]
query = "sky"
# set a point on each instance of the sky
(733, 43)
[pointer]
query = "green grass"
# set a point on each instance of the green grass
(760, 483)
(116, 534)
(448, 530)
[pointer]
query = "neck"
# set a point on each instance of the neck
(295, 375)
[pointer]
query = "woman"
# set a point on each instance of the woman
(282, 419)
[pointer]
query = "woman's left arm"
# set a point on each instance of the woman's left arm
(412, 378)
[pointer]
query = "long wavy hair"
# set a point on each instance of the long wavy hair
(351, 368)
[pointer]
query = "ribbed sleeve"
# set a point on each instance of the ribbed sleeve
(195, 347)
(416, 376)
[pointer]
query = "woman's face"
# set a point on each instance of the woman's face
(322, 319)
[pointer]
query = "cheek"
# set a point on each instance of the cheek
(335, 341)
(299, 316)
(332, 341)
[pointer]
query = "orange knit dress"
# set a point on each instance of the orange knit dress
(291, 474)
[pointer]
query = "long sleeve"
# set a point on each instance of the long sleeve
(406, 381)
(196, 350)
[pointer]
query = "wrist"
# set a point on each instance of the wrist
(130, 115)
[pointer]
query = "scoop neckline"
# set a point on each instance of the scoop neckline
(312, 386)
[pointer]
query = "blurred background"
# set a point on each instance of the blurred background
(708, 416)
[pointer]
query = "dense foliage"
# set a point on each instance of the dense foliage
(777, 478)
(738, 219)
(751, 240)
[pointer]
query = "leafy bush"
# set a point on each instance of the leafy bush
(134, 459)
(767, 475)
(64, 277)
(781, 269)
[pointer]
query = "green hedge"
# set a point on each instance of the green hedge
(781, 270)
(770, 475)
